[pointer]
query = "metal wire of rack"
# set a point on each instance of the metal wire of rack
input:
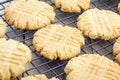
(41, 65)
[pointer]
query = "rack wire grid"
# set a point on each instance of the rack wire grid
(41, 65)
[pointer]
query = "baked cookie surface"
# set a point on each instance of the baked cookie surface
(29, 14)
(2, 28)
(119, 7)
(13, 57)
(38, 77)
(72, 5)
(102, 24)
(116, 50)
(56, 41)
(92, 67)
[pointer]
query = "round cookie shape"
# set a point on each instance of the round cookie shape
(2, 28)
(72, 5)
(29, 14)
(92, 67)
(38, 77)
(116, 50)
(13, 57)
(99, 24)
(56, 41)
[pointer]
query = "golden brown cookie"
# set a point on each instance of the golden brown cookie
(119, 7)
(13, 57)
(29, 14)
(102, 24)
(38, 77)
(56, 41)
(72, 5)
(92, 67)
(116, 50)
(2, 28)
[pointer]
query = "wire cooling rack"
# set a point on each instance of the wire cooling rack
(41, 65)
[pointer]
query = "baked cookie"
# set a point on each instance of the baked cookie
(29, 14)
(13, 57)
(2, 28)
(101, 24)
(72, 5)
(56, 41)
(116, 50)
(119, 7)
(38, 77)
(92, 67)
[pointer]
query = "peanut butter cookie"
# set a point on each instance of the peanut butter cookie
(13, 57)
(2, 28)
(29, 14)
(56, 41)
(102, 24)
(72, 5)
(92, 67)
(38, 77)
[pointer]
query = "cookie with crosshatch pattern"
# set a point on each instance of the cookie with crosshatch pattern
(92, 67)
(13, 57)
(116, 50)
(56, 41)
(2, 28)
(29, 14)
(72, 5)
(38, 77)
(102, 24)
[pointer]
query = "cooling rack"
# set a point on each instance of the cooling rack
(41, 65)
